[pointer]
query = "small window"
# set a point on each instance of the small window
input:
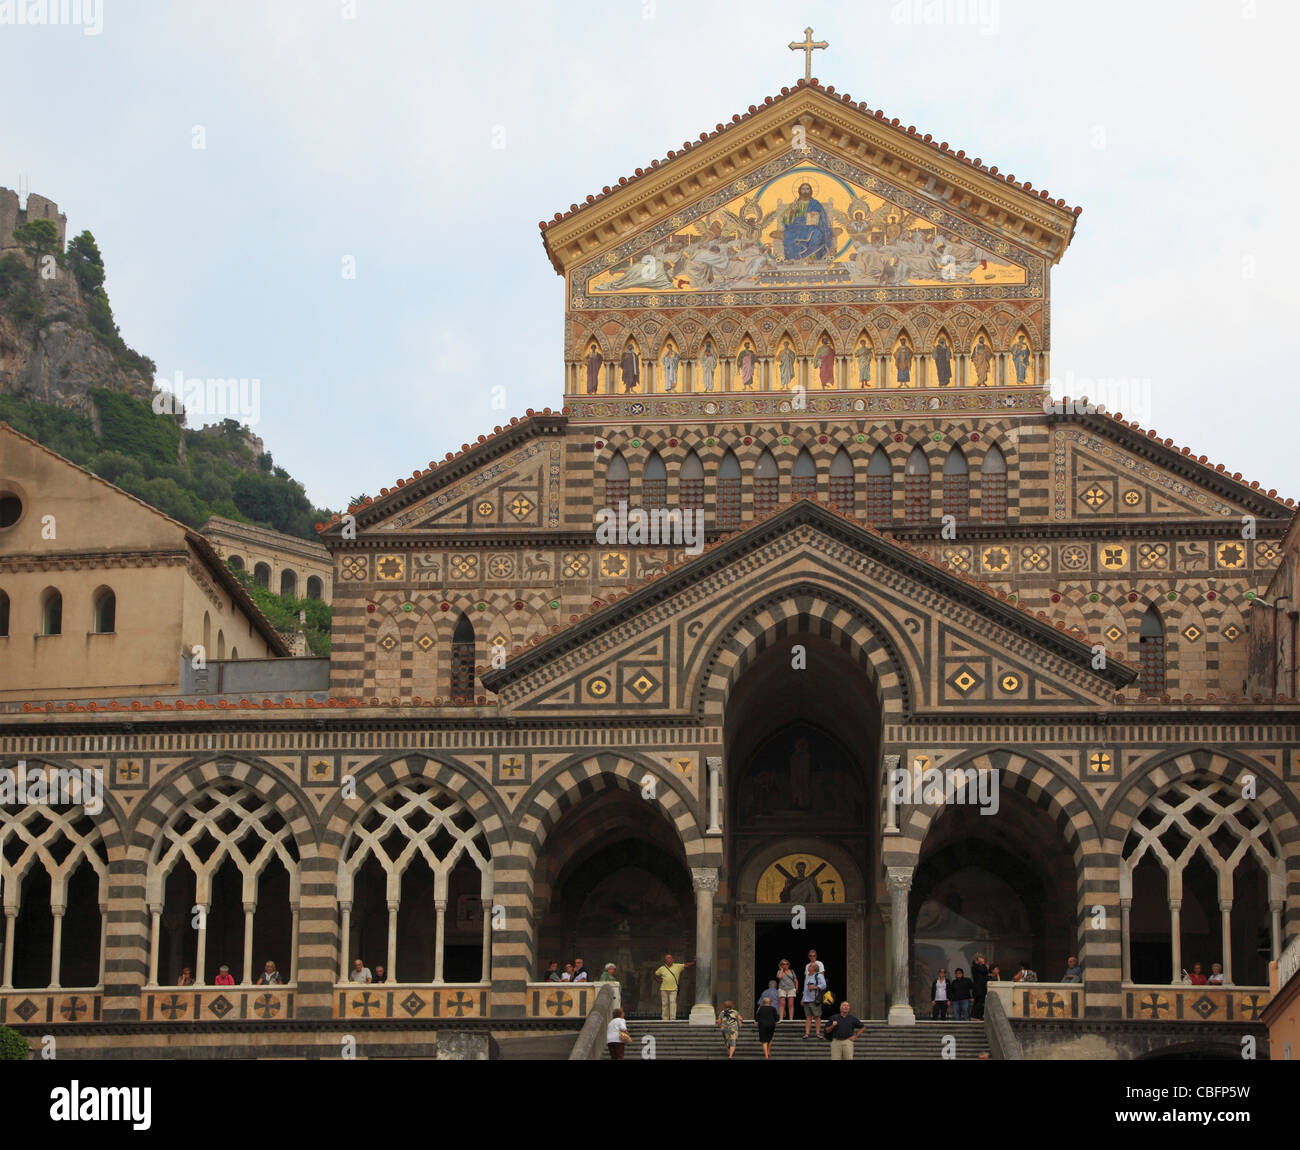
(690, 483)
(221, 644)
(993, 487)
(234, 652)
(52, 613)
(288, 583)
(617, 481)
(729, 492)
(462, 661)
(235, 562)
(803, 481)
(916, 489)
(765, 484)
(956, 486)
(1151, 654)
(880, 495)
(4, 615)
(262, 575)
(11, 509)
(315, 588)
(842, 481)
(654, 482)
(105, 612)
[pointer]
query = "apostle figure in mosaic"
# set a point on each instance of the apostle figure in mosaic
(631, 366)
(903, 362)
(1020, 357)
(826, 363)
(785, 362)
(746, 361)
(943, 362)
(595, 361)
(863, 356)
(981, 358)
(671, 362)
(708, 364)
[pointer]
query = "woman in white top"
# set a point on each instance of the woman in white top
(616, 1035)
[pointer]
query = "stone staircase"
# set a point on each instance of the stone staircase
(880, 1041)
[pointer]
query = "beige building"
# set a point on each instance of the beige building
(282, 563)
(100, 594)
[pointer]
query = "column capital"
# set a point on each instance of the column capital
(250, 908)
(704, 878)
(440, 904)
(899, 878)
(1225, 904)
(713, 762)
(394, 904)
(1175, 904)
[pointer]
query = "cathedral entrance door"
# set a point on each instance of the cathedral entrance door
(774, 941)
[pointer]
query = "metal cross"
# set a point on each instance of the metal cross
(807, 48)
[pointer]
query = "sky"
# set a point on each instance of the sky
(340, 198)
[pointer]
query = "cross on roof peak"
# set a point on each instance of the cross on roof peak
(807, 47)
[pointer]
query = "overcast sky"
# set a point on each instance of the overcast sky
(366, 129)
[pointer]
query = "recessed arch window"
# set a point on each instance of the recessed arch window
(617, 481)
(956, 485)
(993, 487)
(1151, 653)
(803, 480)
(105, 618)
(690, 483)
(729, 492)
(51, 612)
(207, 633)
(4, 614)
(315, 588)
(288, 583)
(236, 562)
(262, 575)
(842, 481)
(462, 661)
(880, 482)
(766, 484)
(654, 482)
(234, 652)
(916, 489)
(221, 644)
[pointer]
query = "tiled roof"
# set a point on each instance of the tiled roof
(828, 90)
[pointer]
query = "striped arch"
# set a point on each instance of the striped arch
(576, 779)
(801, 608)
(594, 329)
(1044, 784)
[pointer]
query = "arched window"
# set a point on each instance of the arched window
(617, 481)
(654, 482)
(288, 583)
(765, 484)
(105, 612)
(916, 489)
(993, 487)
(315, 588)
(690, 483)
(462, 661)
(262, 575)
(880, 482)
(230, 851)
(729, 492)
(52, 855)
(842, 481)
(956, 486)
(803, 481)
(4, 615)
(1151, 654)
(221, 644)
(51, 612)
(235, 562)
(234, 652)
(207, 633)
(413, 879)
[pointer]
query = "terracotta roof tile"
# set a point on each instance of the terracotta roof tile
(844, 98)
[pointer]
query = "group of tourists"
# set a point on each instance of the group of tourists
(576, 971)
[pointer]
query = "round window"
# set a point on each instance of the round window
(11, 507)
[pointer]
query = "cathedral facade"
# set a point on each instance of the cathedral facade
(809, 620)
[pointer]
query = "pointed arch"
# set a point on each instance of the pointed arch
(943, 358)
(841, 487)
(982, 360)
(629, 366)
(654, 482)
(388, 659)
(787, 361)
(766, 483)
(729, 491)
(824, 360)
(464, 657)
(903, 357)
(748, 365)
(956, 485)
(618, 480)
(993, 486)
(1151, 653)
(916, 488)
(1022, 359)
(880, 488)
(864, 358)
(803, 477)
(690, 483)
(670, 362)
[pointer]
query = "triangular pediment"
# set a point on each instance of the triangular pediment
(955, 645)
(864, 169)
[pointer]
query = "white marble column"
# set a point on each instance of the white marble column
(345, 932)
(891, 806)
(1125, 906)
(1275, 909)
(440, 925)
(714, 764)
(56, 945)
(250, 908)
(155, 945)
(1176, 937)
(103, 942)
(899, 881)
(201, 955)
(293, 942)
(11, 917)
(1225, 914)
(705, 881)
(390, 963)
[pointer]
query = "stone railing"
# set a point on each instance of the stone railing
(1040, 1000)
(412, 1000)
(563, 999)
(216, 1003)
(591, 1041)
(1179, 1003)
(50, 1007)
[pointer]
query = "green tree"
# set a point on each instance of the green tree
(86, 264)
(38, 238)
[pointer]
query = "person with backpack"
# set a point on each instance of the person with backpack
(814, 986)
